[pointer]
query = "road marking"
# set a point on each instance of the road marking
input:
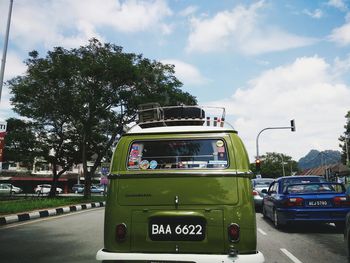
(47, 218)
(262, 232)
(290, 255)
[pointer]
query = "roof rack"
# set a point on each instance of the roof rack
(154, 115)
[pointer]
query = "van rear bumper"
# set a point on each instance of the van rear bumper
(196, 258)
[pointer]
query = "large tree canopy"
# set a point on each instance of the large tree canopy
(345, 141)
(20, 142)
(273, 164)
(83, 97)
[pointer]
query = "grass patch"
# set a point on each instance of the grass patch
(37, 203)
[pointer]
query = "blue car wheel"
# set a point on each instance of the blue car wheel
(276, 221)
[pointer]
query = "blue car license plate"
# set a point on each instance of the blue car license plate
(318, 203)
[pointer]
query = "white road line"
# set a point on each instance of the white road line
(262, 232)
(45, 219)
(290, 255)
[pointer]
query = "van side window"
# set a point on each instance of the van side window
(178, 154)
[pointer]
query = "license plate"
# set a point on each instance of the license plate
(318, 203)
(177, 228)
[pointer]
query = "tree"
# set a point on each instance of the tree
(20, 142)
(85, 96)
(345, 141)
(271, 165)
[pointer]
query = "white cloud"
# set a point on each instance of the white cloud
(306, 91)
(341, 35)
(339, 4)
(273, 39)
(240, 29)
(341, 67)
(13, 67)
(72, 23)
(317, 13)
(186, 73)
(190, 10)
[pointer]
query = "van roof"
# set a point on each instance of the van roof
(179, 129)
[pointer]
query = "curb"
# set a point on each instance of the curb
(4, 220)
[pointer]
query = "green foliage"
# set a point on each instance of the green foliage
(20, 142)
(345, 138)
(271, 165)
(81, 98)
(29, 204)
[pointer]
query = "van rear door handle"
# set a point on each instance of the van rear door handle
(176, 200)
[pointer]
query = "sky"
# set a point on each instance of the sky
(267, 62)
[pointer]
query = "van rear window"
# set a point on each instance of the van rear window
(178, 154)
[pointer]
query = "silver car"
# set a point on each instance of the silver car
(260, 184)
(5, 189)
(14, 189)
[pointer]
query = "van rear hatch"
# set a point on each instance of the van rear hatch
(194, 190)
(184, 214)
(184, 231)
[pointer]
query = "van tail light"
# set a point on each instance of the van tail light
(120, 232)
(255, 192)
(341, 201)
(233, 232)
(295, 201)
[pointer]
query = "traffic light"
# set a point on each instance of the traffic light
(292, 125)
(257, 165)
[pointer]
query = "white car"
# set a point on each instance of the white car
(5, 189)
(14, 189)
(45, 189)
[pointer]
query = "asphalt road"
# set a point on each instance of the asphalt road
(76, 237)
(302, 243)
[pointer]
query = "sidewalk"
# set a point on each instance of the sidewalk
(13, 218)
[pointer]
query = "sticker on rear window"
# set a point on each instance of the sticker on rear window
(153, 164)
(219, 143)
(144, 165)
(218, 162)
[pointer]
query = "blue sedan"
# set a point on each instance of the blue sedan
(305, 199)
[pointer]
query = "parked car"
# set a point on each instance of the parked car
(45, 189)
(78, 188)
(260, 184)
(306, 199)
(97, 189)
(14, 189)
(5, 189)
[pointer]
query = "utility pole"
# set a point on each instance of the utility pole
(284, 173)
(347, 150)
(3, 61)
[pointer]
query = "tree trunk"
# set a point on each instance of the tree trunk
(87, 175)
(54, 180)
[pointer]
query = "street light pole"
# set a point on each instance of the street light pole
(291, 127)
(2, 70)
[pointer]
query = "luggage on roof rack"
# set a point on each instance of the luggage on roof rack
(153, 115)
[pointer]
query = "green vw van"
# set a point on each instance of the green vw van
(179, 191)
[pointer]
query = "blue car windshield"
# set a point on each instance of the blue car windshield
(315, 188)
(301, 180)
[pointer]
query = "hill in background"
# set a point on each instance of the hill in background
(316, 158)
